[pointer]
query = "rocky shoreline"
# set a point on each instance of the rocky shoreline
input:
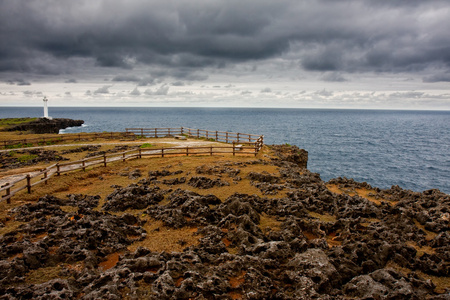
(45, 125)
(324, 240)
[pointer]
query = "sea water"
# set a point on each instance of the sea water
(384, 148)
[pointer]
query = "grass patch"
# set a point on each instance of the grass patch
(323, 218)
(368, 194)
(160, 238)
(25, 158)
(15, 121)
(421, 250)
(147, 145)
(442, 283)
(19, 145)
(269, 223)
(429, 235)
(10, 226)
(42, 275)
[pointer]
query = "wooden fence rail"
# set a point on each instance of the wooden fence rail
(239, 147)
(218, 136)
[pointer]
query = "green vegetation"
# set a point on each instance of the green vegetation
(26, 158)
(15, 121)
(19, 145)
(147, 145)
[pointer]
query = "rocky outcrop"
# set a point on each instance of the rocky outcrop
(44, 125)
(21, 158)
(293, 154)
(308, 243)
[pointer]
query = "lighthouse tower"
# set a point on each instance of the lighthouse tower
(46, 108)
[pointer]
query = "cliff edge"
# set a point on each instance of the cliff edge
(44, 125)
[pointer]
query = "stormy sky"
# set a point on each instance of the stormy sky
(325, 53)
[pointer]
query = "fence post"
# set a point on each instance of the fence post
(45, 177)
(29, 183)
(156, 132)
(104, 159)
(217, 137)
(238, 137)
(226, 134)
(140, 153)
(162, 152)
(234, 151)
(123, 157)
(207, 134)
(198, 133)
(181, 131)
(57, 169)
(84, 165)
(168, 132)
(142, 131)
(187, 151)
(210, 151)
(8, 192)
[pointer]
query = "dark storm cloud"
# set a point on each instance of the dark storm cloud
(437, 78)
(333, 77)
(348, 36)
(126, 78)
(19, 82)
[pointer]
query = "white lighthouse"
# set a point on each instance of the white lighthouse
(46, 108)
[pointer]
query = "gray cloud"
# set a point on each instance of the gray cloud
(20, 82)
(178, 83)
(348, 36)
(162, 90)
(135, 92)
(333, 77)
(126, 78)
(103, 90)
(443, 77)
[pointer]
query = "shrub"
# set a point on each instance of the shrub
(146, 145)
(26, 158)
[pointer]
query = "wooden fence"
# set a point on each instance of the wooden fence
(218, 136)
(241, 148)
(10, 144)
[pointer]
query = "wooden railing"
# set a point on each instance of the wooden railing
(237, 148)
(50, 140)
(218, 136)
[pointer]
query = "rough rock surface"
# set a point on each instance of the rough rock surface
(20, 158)
(44, 125)
(313, 241)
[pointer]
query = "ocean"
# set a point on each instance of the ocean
(381, 147)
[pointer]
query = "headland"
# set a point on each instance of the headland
(222, 226)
